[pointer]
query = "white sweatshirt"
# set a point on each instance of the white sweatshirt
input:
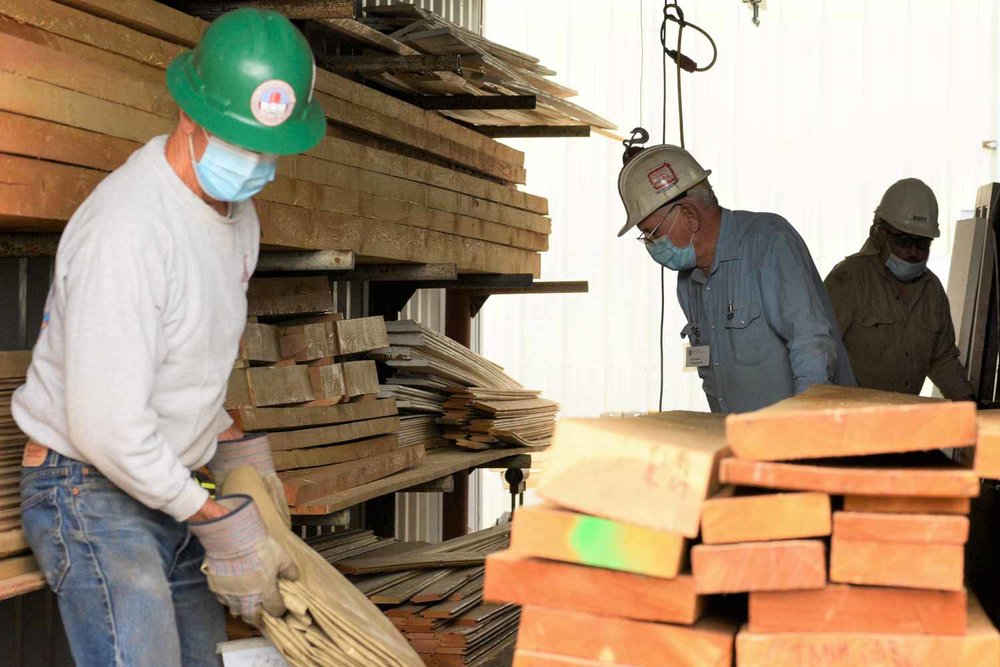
(142, 326)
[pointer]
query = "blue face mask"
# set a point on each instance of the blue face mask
(229, 173)
(903, 270)
(663, 251)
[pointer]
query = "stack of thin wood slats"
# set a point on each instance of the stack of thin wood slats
(852, 473)
(18, 570)
(299, 379)
(432, 594)
(82, 86)
(484, 407)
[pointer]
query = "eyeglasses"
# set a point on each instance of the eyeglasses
(647, 238)
(901, 240)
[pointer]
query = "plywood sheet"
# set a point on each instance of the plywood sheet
(655, 470)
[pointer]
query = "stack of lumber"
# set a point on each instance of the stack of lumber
(601, 567)
(18, 571)
(296, 381)
(83, 87)
(487, 68)
(484, 407)
(432, 594)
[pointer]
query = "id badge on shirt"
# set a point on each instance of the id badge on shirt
(697, 356)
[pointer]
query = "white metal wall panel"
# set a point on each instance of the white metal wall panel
(812, 116)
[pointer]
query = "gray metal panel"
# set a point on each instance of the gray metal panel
(963, 280)
(466, 13)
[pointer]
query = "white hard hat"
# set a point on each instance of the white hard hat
(910, 207)
(654, 177)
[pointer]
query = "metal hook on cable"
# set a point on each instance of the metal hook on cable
(685, 63)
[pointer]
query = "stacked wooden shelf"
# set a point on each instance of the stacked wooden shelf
(482, 407)
(18, 571)
(391, 181)
(300, 380)
(833, 512)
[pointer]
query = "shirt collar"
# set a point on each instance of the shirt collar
(729, 246)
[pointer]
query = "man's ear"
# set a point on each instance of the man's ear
(185, 123)
(691, 216)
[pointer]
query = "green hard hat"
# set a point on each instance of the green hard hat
(249, 82)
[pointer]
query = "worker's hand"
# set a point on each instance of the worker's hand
(251, 450)
(210, 510)
(234, 432)
(242, 562)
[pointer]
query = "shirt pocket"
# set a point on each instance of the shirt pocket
(876, 340)
(747, 335)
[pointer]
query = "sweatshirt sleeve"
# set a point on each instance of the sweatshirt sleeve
(115, 291)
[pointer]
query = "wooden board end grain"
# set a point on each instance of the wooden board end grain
(943, 481)
(907, 505)
(533, 581)
(759, 566)
(728, 519)
(363, 334)
(833, 421)
(563, 535)
(324, 456)
(978, 647)
(264, 419)
(654, 471)
(627, 642)
(904, 528)
(302, 486)
(840, 608)
(289, 296)
(928, 566)
(987, 461)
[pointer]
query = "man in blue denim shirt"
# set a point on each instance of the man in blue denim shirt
(760, 323)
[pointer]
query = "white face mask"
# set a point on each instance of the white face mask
(903, 270)
(229, 173)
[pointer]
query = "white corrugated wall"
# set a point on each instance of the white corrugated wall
(812, 115)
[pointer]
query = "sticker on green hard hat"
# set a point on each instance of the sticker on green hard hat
(272, 103)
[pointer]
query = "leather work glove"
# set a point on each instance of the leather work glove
(242, 562)
(251, 450)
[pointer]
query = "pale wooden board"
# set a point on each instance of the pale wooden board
(759, 566)
(306, 342)
(324, 456)
(21, 585)
(14, 363)
(263, 419)
(360, 335)
(979, 647)
(654, 470)
(269, 385)
(828, 420)
(728, 518)
(987, 462)
(907, 505)
(260, 343)
(327, 435)
(289, 296)
(928, 566)
(557, 534)
(904, 528)
(945, 482)
(12, 542)
(17, 566)
(531, 581)
(327, 379)
(578, 635)
(360, 378)
(841, 608)
(303, 486)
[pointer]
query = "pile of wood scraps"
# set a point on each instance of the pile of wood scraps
(18, 570)
(833, 511)
(432, 594)
(390, 181)
(298, 378)
(481, 407)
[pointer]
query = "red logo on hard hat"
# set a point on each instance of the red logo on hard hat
(272, 102)
(663, 177)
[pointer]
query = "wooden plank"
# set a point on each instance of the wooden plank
(526, 658)
(326, 435)
(907, 505)
(409, 561)
(14, 363)
(654, 470)
(727, 519)
(328, 380)
(840, 608)
(944, 482)
(555, 534)
(362, 334)
(293, 9)
(306, 342)
(979, 647)
(763, 566)
(151, 18)
(904, 528)
(828, 420)
(939, 567)
(628, 642)
(260, 343)
(987, 461)
(18, 566)
(12, 542)
(533, 581)
(269, 385)
(289, 296)
(21, 585)
(324, 456)
(265, 419)
(360, 378)
(302, 486)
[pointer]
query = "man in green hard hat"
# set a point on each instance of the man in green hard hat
(124, 397)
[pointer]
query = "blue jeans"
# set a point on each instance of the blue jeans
(128, 578)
